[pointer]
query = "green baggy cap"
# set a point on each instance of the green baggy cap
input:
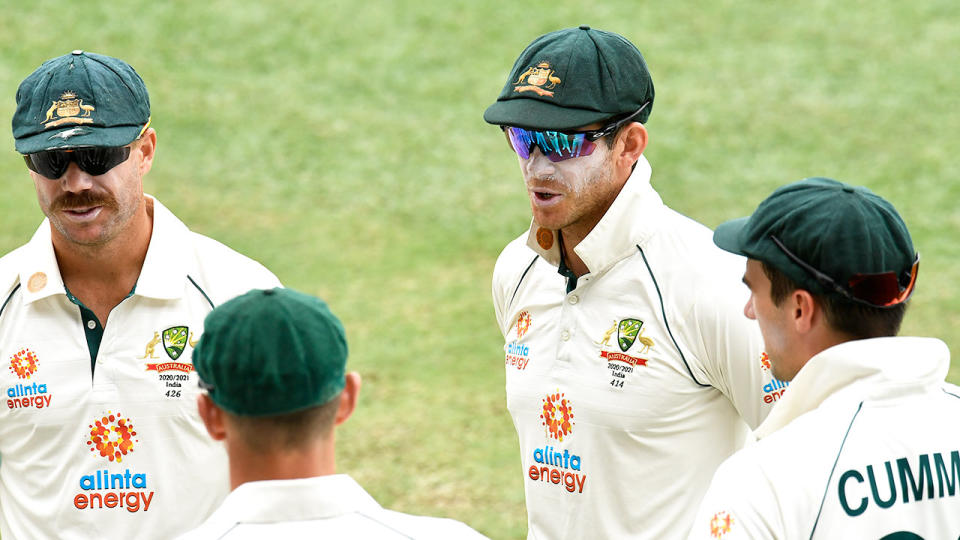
(80, 99)
(271, 352)
(571, 78)
(841, 230)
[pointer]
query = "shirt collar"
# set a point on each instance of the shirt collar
(630, 220)
(39, 272)
(162, 276)
(865, 368)
(300, 499)
(166, 266)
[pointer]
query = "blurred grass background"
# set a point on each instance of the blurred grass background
(342, 145)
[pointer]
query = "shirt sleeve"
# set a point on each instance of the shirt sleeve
(732, 353)
(739, 505)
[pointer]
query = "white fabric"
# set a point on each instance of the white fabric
(174, 475)
(648, 427)
(852, 411)
(333, 507)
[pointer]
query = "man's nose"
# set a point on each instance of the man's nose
(75, 179)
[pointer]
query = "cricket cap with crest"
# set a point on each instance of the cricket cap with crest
(571, 78)
(830, 238)
(271, 352)
(79, 100)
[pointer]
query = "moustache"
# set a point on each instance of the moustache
(84, 199)
(548, 181)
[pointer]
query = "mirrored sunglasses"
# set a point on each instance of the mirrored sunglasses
(94, 161)
(882, 290)
(561, 145)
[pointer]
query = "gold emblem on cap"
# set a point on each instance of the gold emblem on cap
(538, 76)
(545, 238)
(36, 282)
(69, 109)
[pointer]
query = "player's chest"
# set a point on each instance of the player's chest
(608, 339)
(145, 351)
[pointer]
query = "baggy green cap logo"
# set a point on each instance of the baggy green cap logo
(174, 341)
(627, 333)
(538, 76)
(69, 109)
(79, 100)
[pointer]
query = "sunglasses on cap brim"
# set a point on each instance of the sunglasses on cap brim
(561, 145)
(882, 290)
(94, 160)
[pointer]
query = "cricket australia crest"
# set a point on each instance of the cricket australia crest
(175, 340)
(69, 109)
(540, 79)
(627, 333)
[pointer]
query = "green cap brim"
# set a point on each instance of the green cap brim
(78, 136)
(541, 115)
(727, 235)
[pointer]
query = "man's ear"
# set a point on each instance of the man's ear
(348, 398)
(632, 141)
(806, 311)
(212, 417)
(146, 148)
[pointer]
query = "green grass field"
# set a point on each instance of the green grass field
(342, 145)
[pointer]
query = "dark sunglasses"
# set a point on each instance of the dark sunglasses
(882, 290)
(94, 160)
(561, 145)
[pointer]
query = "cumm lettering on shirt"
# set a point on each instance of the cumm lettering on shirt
(855, 498)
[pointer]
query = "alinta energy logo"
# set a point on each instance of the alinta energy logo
(551, 465)
(517, 354)
(24, 364)
(523, 323)
(773, 390)
(112, 437)
(720, 524)
(557, 415)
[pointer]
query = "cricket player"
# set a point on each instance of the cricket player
(630, 372)
(865, 443)
(273, 364)
(99, 315)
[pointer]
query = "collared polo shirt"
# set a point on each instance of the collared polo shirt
(119, 452)
(628, 390)
(333, 506)
(864, 445)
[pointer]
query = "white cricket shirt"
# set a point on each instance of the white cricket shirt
(865, 444)
(121, 454)
(630, 390)
(333, 507)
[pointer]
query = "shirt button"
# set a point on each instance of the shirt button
(565, 335)
(91, 324)
(573, 299)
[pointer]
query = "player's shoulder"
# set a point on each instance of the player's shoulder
(428, 528)
(515, 258)
(225, 272)
(10, 265)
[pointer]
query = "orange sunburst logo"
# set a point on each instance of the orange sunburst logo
(523, 323)
(112, 437)
(764, 360)
(720, 524)
(557, 416)
(23, 363)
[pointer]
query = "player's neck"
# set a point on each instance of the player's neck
(102, 276)
(248, 466)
